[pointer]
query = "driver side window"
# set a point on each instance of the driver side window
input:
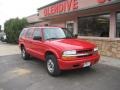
(37, 33)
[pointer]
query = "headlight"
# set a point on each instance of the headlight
(72, 52)
(95, 49)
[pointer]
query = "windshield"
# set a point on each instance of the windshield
(56, 33)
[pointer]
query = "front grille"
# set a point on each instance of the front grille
(88, 51)
(84, 51)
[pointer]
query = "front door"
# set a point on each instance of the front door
(36, 45)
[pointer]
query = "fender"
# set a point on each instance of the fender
(55, 52)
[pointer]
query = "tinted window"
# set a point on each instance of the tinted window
(118, 24)
(29, 33)
(70, 27)
(23, 32)
(97, 25)
(37, 32)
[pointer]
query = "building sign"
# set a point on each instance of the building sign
(62, 7)
(66, 6)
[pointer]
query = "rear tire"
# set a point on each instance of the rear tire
(52, 65)
(24, 54)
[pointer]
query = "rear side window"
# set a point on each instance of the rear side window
(29, 33)
(23, 32)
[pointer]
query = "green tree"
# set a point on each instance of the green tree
(13, 28)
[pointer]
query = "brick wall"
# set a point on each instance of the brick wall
(107, 47)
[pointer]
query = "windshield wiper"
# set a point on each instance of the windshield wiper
(59, 38)
(68, 37)
(52, 38)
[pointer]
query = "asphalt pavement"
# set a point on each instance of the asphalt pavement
(17, 74)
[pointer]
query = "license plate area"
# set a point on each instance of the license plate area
(86, 64)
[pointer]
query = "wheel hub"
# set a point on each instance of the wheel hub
(50, 66)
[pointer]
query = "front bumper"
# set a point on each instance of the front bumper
(78, 63)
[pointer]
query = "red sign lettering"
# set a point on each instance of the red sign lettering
(65, 6)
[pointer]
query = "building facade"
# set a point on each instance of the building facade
(97, 21)
(33, 20)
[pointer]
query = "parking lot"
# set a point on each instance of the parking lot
(17, 74)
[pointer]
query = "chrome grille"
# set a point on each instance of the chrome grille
(85, 53)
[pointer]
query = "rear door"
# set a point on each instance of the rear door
(28, 40)
(22, 36)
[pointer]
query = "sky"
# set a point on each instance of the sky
(19, 8)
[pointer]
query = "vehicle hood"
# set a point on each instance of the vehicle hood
(70, 44)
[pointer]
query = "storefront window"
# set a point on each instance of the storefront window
(97, 25)
(70, 27)
(118, 24)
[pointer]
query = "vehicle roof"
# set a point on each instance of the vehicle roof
(44, 27)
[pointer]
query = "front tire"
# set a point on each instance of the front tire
(52, 65)
(24, 54)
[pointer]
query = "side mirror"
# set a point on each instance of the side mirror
(76, 35)
(37, 38)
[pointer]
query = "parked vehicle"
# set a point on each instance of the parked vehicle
(58, 48)
(3, 38)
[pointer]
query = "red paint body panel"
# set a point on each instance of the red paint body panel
(78, 63)
(38, 49)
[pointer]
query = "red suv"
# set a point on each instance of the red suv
(58, 48)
